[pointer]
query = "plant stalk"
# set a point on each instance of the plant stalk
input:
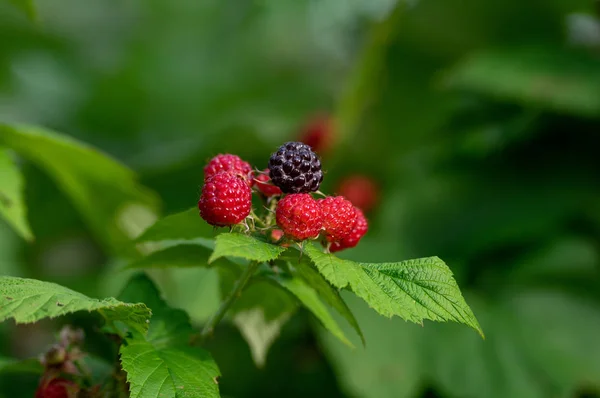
(233, 295)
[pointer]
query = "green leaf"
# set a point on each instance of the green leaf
(260, 313)
(12, 206)
(311, 300)
(413, 290)
(162, 364)
(29, 300)
(183, 255)
(306, 272)
(26, 6)
(552, 77)
(391, 366)
(244, 246)
(104, 191)
(179, 226)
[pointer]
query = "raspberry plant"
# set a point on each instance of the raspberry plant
(275, 252)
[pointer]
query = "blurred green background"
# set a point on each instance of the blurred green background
(479, 121)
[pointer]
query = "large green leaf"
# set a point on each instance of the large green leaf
(244, 246)
(162, 364)
(179, 226)
(29, 300)
(551, 77)
(104, 191)
(414, 290)
(12, 206)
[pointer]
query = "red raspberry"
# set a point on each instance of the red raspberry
(299, 216)
(360, 190)
(359, 230)
(57, 388)
(264, 185)
(339, 217)
(226, 200)
(229, 163)
(318, 133)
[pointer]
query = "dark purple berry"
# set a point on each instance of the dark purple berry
(295, 168)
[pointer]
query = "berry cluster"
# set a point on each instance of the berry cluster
(293, 173)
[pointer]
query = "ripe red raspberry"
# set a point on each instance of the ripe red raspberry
(226, 200)
(339, 217)
(229, 163)
(359, 230)
(299, 216)
(318, 133)
(57, 388)
(264, 185)
(360, 190)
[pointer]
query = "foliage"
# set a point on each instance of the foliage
(478, 121)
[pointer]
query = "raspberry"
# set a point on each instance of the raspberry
(359, 230)
(360, 190)
(299, 216)
(339, 217)
(295, 168)
(318, 134)
(57, 388)
(229, 163)
(226, 200)
(263, 184)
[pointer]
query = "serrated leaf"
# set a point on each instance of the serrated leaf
(413, 290)
(162, 364)
(244, 246)
(29, 300)
(12, 206)
(179, 226)
(104, 191)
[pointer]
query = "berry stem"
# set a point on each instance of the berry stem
(235, 293)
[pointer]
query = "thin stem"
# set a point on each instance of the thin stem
(235, 293)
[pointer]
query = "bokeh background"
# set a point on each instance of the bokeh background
(478, 121)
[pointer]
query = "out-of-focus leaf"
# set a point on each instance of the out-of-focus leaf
(163, 364)
(179, 226)
(182, 255)
(310, 299)
(413, 290)
(260, 312)
(27, 6)
(104, 191)
(244, 246)
(304, 271)
(391, 364)
(533, 75)
(29, 300)
(12, 206)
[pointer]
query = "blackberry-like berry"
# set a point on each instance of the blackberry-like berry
(226, 200)
(295, 168)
